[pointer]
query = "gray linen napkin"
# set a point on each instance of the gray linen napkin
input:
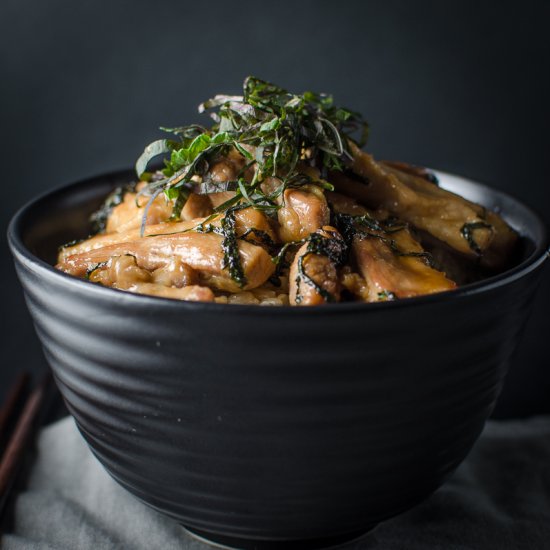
(498, 499)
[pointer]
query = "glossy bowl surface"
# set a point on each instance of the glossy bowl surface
(274, 424)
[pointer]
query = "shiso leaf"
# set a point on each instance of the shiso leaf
(152, 150)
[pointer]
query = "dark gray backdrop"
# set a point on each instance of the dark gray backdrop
(460, 86)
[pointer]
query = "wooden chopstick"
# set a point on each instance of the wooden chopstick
(8, 411)
(20, 439)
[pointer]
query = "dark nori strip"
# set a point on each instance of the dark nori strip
(232, 258)
(467, 231)
(334, 248)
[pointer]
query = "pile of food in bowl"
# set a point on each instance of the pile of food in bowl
(276, 204)
(371, 402)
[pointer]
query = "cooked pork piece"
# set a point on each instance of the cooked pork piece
(217, 199)
(175, 273)
(123, 272)
(120, 272)
(461, 224)
(108, 239)
(303, 211)
(196, 206)
(313, 277)
(193, 293)
(392, 272)
(254, 225)
(498, 255)
(129, 213)
(203, 252)
(392, 263)
(407, 168)
(247, 219)
(223, 170)
(342, 204)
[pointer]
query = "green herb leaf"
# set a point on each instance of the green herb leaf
(152, 150)
(277, 133)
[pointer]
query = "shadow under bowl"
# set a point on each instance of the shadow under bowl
(258, 426)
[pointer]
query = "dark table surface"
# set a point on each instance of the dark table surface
(460, 86)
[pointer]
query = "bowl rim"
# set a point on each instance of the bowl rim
(23, 255)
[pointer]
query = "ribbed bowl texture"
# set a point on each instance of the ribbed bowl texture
(255, 425)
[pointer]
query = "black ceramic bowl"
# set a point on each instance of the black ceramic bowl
(258, 424)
